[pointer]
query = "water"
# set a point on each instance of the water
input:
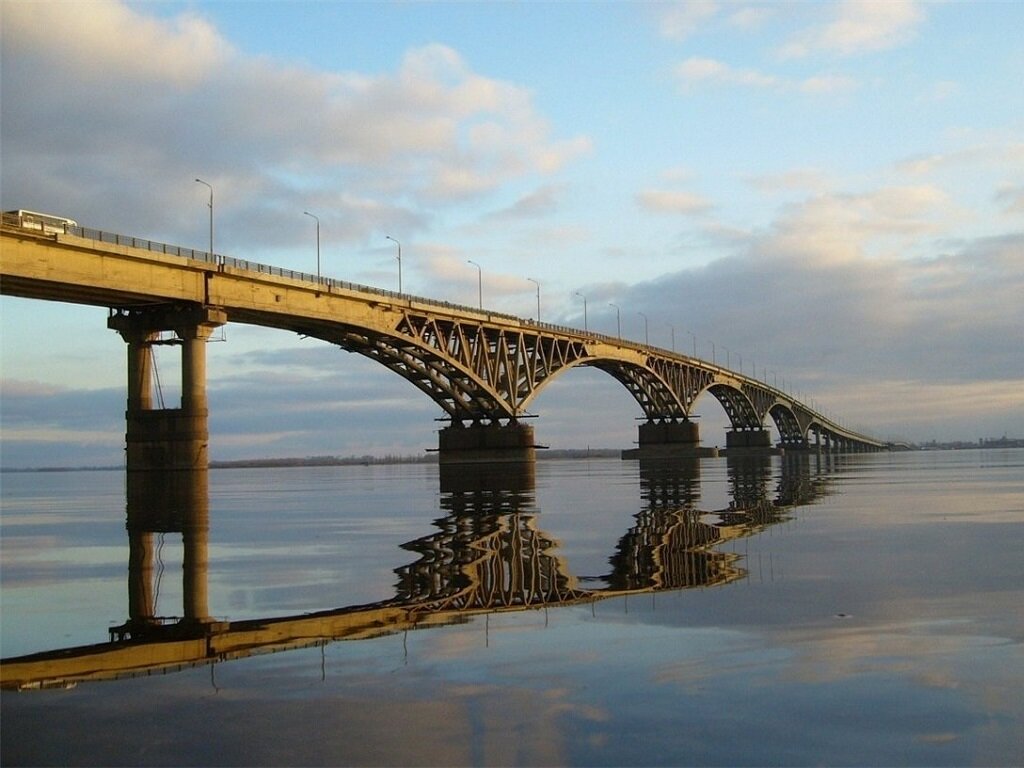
(854, 610)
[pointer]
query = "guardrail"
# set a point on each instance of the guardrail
(206, 257)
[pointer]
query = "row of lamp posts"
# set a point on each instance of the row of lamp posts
(480, 294)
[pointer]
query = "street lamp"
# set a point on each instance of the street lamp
(713, 360)
(538, 296)
(210, 204)
(673, 329)
(584, 310)
(479, 283)
(317, 219)
(694, 337)
(389, 237)
(646, 338)
(728, 357)
(618, 319)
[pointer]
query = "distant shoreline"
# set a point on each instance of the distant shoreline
(431, 458)
(338, 461)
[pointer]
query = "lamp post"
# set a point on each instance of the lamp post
(538, 296)
(389, 237)
(479, 283)
(585, 328)
(317, 219)
(210, 204)
(646, 337)
(618, 319)
(713, 360)
(694, 337)
(673, 329)
(728, 357)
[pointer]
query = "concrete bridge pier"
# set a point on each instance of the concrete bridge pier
(480, 443)
(749, 442)
(167, 439)
(668, 439)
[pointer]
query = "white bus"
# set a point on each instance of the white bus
(43, 222)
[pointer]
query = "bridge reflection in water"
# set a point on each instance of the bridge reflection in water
(489, 554)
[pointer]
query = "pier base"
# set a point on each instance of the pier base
(750, 442)
(668, 440)
(486, 444)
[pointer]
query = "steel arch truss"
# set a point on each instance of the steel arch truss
(685, 381)
(651, 392)
(473, 371)
(790, 431)
(738, 407)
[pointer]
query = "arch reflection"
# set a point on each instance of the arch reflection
(489, 553)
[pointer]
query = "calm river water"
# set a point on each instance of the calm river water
(843, 611)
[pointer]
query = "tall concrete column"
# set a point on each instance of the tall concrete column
(140, 370)
(193, 370)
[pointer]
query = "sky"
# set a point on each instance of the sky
(829, 195)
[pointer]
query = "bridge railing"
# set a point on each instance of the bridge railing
(114, 238)
(206, 257)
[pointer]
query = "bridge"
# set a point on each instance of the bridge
(482, 368)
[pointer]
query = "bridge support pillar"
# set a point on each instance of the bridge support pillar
(744, 442)
(486, 444)
(166, 439)
(668, 439)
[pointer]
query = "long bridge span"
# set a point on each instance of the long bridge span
(482, 368)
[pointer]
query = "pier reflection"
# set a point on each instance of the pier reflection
(488, 553)
(161, 503)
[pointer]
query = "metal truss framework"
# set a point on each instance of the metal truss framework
(490, 372)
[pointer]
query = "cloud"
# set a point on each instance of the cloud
(1011, 197)
(751, 17)
(101, 116)
(679, 20)
(696, 70)
(540, 202)
(858, 27)
(670, 201)
(179, 52)
(826, 84)
(1000, 153)
(832, 228)
(797, 179)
